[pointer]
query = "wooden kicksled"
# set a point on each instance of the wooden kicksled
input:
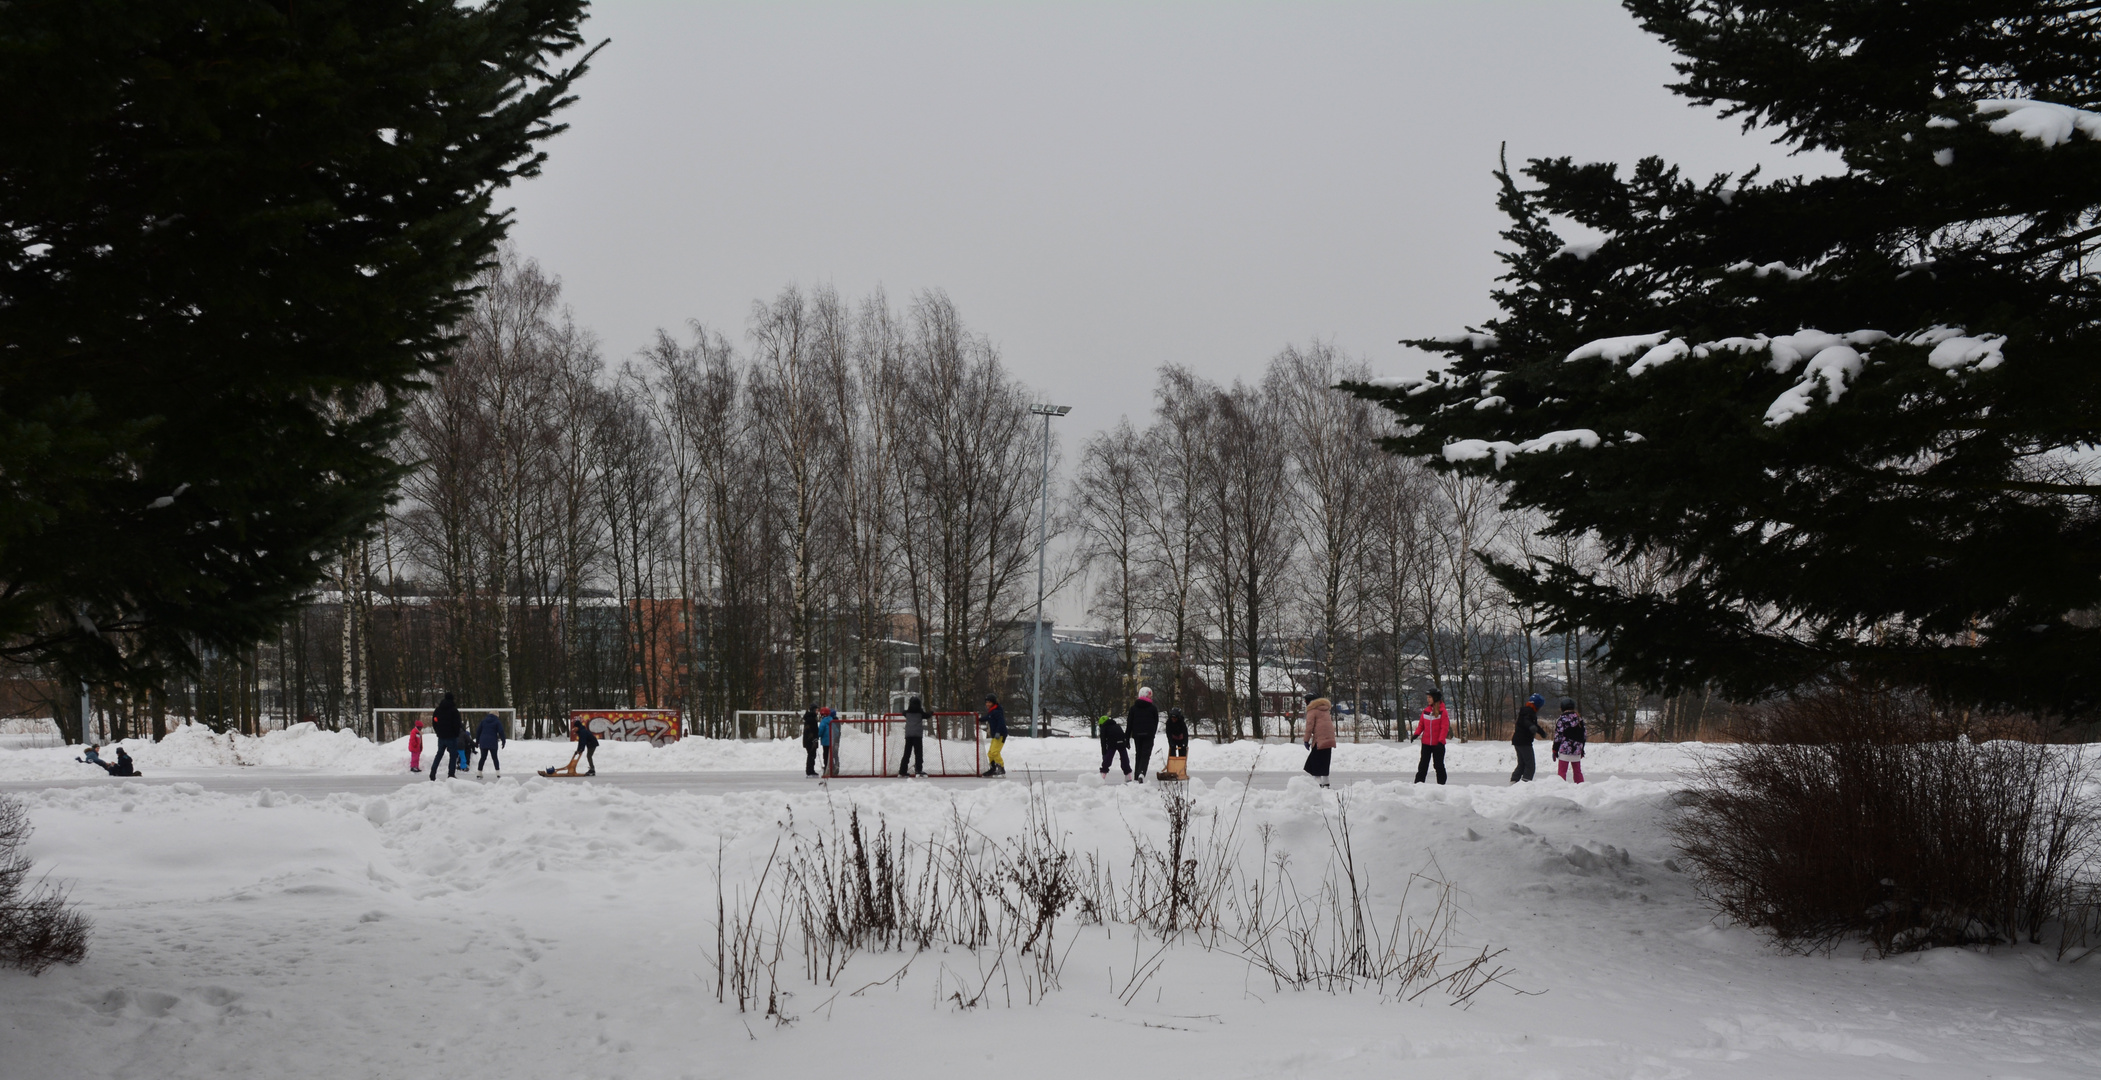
(1177, 769)
(566, 770)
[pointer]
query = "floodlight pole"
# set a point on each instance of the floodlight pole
(1042, 538)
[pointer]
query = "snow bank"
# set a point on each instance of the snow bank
(574, 924)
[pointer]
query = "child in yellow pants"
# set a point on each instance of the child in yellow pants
(995, 721)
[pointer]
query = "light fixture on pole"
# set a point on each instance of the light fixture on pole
(1042, 538)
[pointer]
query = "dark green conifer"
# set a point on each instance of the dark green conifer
(1855, 416)
(233, 234)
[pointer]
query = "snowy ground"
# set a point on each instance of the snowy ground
(347, 924)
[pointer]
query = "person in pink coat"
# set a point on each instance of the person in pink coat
(1320, 738)
(416, 746)
(1433, 727)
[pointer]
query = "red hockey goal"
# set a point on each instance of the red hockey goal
(875, 746)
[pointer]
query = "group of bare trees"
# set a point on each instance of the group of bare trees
(1251, 544)
(839, 506)
(833, 512)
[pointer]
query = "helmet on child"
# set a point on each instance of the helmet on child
(1175, 713)
(1568, 704)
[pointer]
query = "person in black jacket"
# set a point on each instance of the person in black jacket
(809, 742)
(915, 739)
(587, 745)
(1143, 723)
(445, 724)
(120, 767)
(1115, 745)
(1521, 737)
(995, 721)
(1177, 734)
(488, 737)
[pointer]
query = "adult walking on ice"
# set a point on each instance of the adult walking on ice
(809, 742)
(1320, 739)
(1569, 740)
(915, 740)
(995, 721)
(1521, 736)
(489, 736)
(1142, 724)
(445, 724)
(1115, 746)
(1433, 727)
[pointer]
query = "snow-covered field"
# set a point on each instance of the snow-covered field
(535, 928)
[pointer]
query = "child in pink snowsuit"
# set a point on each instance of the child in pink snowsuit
(416, 746)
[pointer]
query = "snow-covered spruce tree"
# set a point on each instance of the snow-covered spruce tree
(1856, 414)
(234, 236)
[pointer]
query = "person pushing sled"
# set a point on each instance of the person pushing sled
(586, 749)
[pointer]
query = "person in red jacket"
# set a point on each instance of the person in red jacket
(1434, 726)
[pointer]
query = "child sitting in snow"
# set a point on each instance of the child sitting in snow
(120, 767)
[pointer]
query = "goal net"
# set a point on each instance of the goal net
(391, 724)
(875, 746)
(766, 724)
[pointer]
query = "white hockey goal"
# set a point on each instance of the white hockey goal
(391, 724)
(875, 746)
(766, 724)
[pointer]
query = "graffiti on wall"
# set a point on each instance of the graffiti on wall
(653, 726)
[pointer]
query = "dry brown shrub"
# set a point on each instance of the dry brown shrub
(1871, 814)
(37, 928)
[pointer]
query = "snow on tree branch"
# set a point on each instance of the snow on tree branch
(2046, 122)
(1501, 450)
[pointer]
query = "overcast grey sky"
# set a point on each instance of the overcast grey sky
(1103, 188)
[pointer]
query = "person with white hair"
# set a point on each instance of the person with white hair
(1142, 723)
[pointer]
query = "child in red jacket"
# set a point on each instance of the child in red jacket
(1434, 727)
